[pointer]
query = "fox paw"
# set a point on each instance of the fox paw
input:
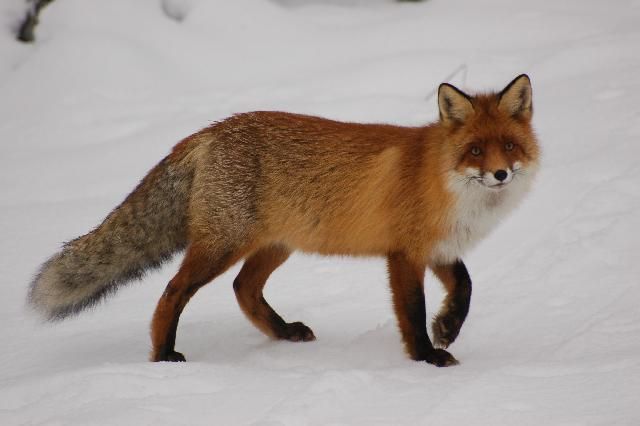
(445, 329)
(440, 358)
(170, 356)
(297, 332)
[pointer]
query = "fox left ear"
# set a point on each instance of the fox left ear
(516, 98)
(455, 106)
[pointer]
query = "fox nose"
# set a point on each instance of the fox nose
(500, 175)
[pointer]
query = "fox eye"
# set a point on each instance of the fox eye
(509, 146)
(476, 151)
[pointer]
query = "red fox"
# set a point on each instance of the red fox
(259, 185)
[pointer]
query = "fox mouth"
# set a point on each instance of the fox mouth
(495, 187)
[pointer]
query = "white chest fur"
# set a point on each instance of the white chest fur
(476, 212)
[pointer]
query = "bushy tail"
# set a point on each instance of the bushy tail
(142, 232)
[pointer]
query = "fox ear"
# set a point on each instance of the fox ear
(516, 98)
(455, 105)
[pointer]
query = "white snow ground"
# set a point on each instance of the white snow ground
(553, 336)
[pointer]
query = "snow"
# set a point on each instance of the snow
(553, 336)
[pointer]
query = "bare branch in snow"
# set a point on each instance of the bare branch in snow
(26, 31)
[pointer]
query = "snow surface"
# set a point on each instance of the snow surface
(553, 336)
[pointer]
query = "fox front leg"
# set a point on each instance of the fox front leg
(407, 286)
(457, 282)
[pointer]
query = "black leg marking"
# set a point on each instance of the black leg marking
(447, 324)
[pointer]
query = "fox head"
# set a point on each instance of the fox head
(489, 136)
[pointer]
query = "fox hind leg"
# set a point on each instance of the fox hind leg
(449, 320)
(200, 265)
(248, 287)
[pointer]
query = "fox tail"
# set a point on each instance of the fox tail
(145, 230)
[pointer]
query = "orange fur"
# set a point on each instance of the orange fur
(263, 184)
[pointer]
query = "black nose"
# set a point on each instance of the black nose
(500, 175)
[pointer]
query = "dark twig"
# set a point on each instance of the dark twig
(462, 68)
(26, 31)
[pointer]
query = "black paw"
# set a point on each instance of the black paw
(171, 356)
(297, 332)
(440, 358)
(445, 329)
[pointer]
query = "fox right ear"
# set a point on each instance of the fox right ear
(455, 105)
(515, 99)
